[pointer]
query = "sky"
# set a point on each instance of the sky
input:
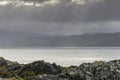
(60, 17)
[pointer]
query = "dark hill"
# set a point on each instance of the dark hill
(12, 39)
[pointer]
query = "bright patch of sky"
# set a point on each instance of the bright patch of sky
(42, 2)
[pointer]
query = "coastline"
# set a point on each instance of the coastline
(40, 70)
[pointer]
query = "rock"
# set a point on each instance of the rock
(2, 62)
(40, 70)
(49, 77)
(3, 79)
(13, 67)
(40, 67)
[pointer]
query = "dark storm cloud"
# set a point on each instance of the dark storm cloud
(107, 10)
(49, 13)
(62, 18)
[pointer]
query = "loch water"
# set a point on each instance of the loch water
(62, 56)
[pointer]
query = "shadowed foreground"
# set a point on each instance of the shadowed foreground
(40, 70)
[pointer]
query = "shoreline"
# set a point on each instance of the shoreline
(40, 70)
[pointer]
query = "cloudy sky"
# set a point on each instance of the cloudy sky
(60, 17)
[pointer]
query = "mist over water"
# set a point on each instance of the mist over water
(61, 56)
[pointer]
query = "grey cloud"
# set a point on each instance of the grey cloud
(62, 19)
(60, 1)
(34, 0)
(107, 10)
(44, 0)
(56, 13)
(104, 11)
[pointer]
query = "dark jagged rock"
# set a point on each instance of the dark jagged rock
(2, 62)
(40, 70)
(40, 67)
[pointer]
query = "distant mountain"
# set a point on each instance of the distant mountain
(24, 39)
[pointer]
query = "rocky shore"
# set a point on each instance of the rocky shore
(40, 70)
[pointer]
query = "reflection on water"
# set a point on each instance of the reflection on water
(65, 57)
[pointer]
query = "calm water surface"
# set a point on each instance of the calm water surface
(61, 56)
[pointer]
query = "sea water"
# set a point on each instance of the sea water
(61, 56)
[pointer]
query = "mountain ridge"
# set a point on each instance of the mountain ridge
(27, 39)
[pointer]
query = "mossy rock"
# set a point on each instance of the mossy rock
(15, 79)
(9, 74)
(12, 79)
(98, 63)
(29, 78)
(76, 77)
(2, 70)
(26, 73)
